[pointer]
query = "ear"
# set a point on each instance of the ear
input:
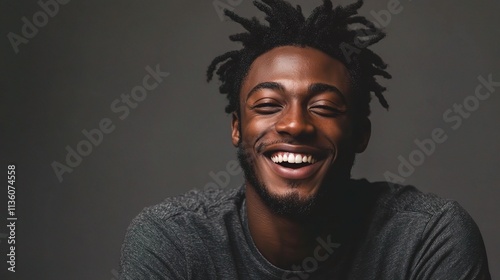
(235, 129)
(362, 134)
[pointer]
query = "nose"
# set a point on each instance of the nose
(295, 122)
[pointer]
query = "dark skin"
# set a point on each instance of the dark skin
(296, 100)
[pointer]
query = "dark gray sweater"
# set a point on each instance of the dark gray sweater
(394, 232)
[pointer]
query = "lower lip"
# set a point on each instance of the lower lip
(294, 173)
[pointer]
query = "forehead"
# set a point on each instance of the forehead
(297, 67)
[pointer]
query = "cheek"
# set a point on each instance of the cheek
(252, 128)
(338, 130)
(341, 136)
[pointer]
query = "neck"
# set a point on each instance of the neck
(284, 241)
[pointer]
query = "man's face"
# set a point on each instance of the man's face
(296, 133)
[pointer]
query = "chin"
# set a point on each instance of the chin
(295, 199)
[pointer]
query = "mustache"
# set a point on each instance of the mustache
(261, 146)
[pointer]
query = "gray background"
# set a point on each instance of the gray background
(65, 78)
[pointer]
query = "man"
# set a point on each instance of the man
(299, 94)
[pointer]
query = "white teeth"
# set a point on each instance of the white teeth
(298, 159)
(292, 158)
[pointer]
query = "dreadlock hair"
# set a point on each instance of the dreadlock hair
(327, 29)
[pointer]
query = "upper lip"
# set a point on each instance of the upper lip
(297, 149)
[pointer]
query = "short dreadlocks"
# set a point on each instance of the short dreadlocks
(327, 29)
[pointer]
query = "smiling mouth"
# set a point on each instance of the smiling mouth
(293, 160)
(294, 166)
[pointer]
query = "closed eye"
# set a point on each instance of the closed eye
(266, 108)
(327, 111)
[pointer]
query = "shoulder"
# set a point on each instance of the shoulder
(162, 239)
(178, 215)
(203, 203)
(439, 232)
(435, 211)
(422, 216)
(408, 199)
(427, 207)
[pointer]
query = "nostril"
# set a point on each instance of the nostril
(295, 126)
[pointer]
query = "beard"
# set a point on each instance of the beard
(290, 205)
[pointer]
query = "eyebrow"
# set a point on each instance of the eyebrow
(313, 89)
(320, 87)
(266, 85)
